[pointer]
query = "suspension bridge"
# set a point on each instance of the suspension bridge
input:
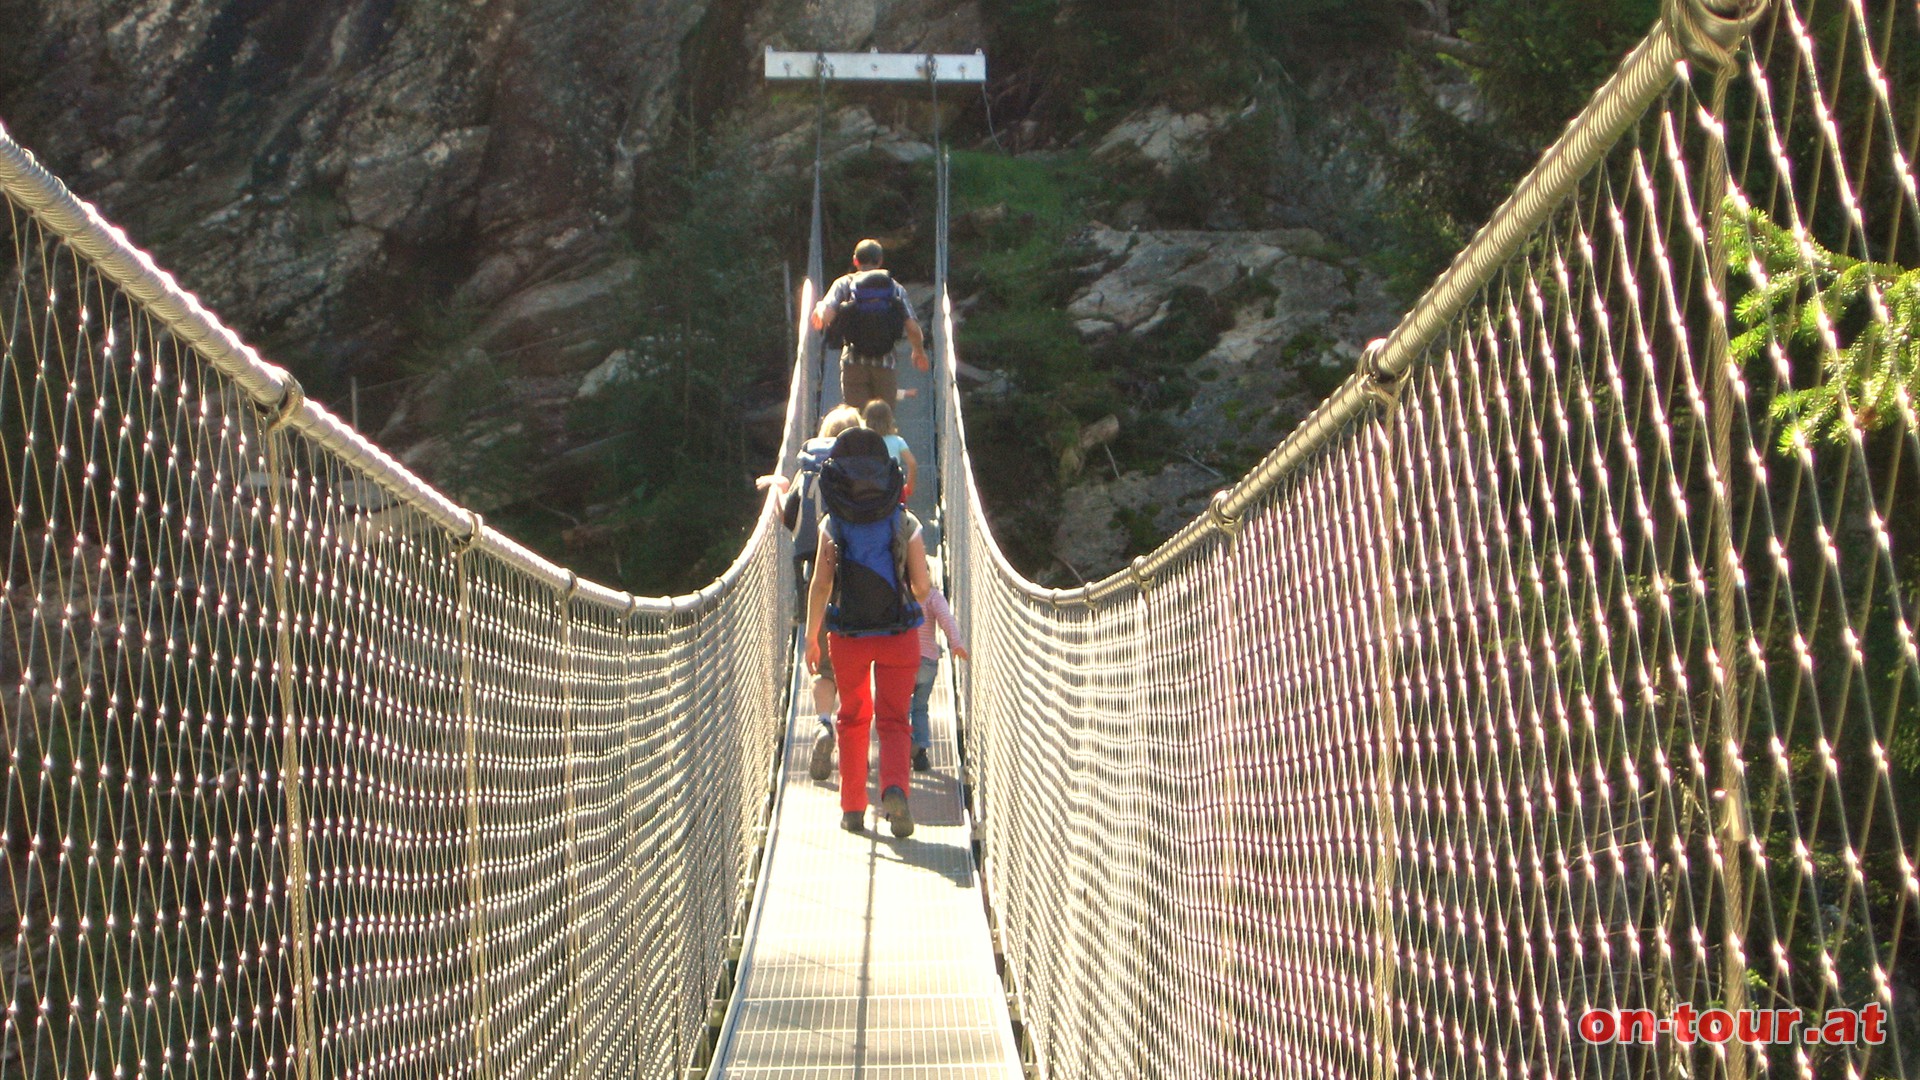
(1557, 673)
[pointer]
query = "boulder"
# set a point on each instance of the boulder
(1138, 271)
(1162, 137)
(1091, 538)
(1092, 436)
(553, 327)
(407, 176)
(618, 366)
(1293, 338)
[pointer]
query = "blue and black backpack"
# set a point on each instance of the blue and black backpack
(801, 511)
(860, 485)
(872, 320)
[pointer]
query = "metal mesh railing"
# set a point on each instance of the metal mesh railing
(1561, 666)
(310, 774)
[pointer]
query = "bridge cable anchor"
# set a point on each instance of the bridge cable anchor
(1138, 571)
(1710, 31)
(476, 527)
(1382, 386)
(1218, 515)
(289, 404)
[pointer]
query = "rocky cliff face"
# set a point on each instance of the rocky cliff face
(321, 171)
(1283, 349)
(389, 191)
(384, 194)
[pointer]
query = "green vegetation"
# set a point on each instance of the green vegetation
(1013, 257)
(1860, 319)
(651, 485)
(665, 487)
(1083, 67)
(1838, 689)
(1533, 64)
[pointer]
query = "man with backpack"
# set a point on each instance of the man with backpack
(865, 314)
(869, 578)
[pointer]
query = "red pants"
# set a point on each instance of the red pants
(891, 663)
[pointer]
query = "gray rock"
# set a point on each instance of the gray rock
(552, 323)
(905, 151)
(319, 169)
(404, 179)
(1090, 538)
(619, 365)
(1095, 329)
(1162, 137)
(1142, 269)
(1290, 342)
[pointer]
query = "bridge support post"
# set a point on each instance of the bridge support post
(1712, 30)
(305, 1063)
(476, 882)
(1385, 391)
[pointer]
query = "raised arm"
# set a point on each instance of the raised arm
(943, 616)
(827, 308)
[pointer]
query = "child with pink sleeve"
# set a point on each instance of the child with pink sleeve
(938, 612)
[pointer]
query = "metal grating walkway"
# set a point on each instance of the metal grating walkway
(870, 957)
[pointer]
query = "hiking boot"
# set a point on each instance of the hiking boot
(893, 806)
(920, 761)
(822, 764)
(854, 821)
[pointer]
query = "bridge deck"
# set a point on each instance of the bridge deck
(870, 957)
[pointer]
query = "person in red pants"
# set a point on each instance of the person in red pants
(869, 578)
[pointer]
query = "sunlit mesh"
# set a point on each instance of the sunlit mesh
(300, 782)
(1580, 673)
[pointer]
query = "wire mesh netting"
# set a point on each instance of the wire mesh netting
(1574, 677)
(302, 781)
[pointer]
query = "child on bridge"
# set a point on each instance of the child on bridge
(878, 416)
(940, 613)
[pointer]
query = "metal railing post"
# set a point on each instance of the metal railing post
(476, 876)
(292, 767)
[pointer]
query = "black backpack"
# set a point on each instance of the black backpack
(858, 485)
(873, 319)
(860, 488)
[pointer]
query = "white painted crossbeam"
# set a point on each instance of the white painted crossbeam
(878, 66)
